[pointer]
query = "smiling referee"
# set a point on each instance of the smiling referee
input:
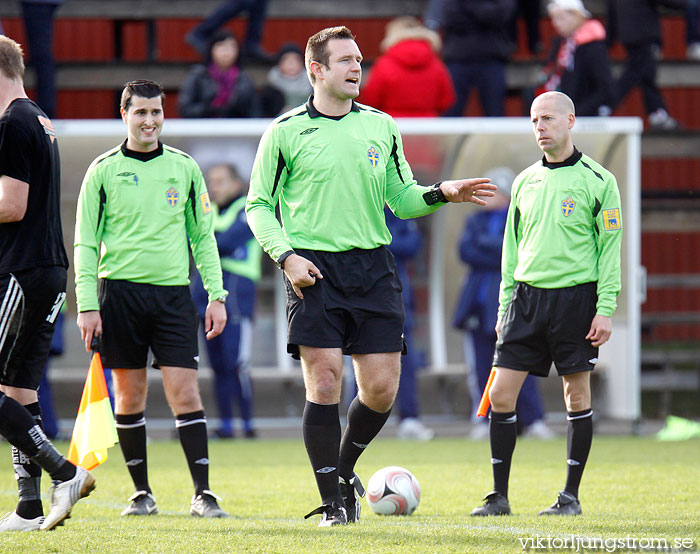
(331, 165)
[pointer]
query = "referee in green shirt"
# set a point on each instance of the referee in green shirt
(560, 281)
(138, 205)
(331, 165)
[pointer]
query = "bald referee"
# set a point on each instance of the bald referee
(331, 165)
(560, 277)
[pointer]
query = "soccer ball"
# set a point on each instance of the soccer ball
(393, 491)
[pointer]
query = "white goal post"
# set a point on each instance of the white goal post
(436, 149)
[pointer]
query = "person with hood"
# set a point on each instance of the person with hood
(578, 63)
(219, 87)
(409, 79)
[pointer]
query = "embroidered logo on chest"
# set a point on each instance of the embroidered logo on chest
(567, 206)
(373, 156)
(172, 196)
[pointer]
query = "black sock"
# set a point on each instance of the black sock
(578, 444)
(131, 430)
(321, 425)
(363, 425)
(192, 429)
(19, 428)
(503, 430)
(28, 475)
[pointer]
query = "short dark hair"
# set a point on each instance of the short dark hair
(143, 88)
(317, 47)
(232, 170)
(219, 36)
(11, 62)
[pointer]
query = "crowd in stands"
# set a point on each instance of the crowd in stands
(430, 67)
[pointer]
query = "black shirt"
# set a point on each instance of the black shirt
(29, 153)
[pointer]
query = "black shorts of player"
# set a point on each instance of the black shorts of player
(356, 306)
(542, 326)
(136, 316)
(30, 301)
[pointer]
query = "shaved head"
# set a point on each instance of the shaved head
(552, 115)
(557, 101)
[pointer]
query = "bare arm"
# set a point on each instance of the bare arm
(13, 199)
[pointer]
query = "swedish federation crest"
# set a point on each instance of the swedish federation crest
(172, 196)
(567, 206)
(373, 156)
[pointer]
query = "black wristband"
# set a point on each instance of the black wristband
(434, 195)
(283, 257)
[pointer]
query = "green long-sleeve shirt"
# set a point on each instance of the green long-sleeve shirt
(564, 228)
(331, 178)
(135, 213)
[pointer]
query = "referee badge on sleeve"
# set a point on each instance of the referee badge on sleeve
(206, 204)
(611, 220)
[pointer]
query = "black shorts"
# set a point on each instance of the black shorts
(542, 326)
(30, 301)
(356, 306)
(136, 316)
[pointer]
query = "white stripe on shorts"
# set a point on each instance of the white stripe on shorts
(14, 297)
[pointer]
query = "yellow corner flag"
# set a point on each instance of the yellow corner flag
(94, 431)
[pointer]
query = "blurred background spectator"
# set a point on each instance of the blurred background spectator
(287, 85)
(636, 24)
(229, 353)
(476, 312)
(219, 88)
(38, 18)
(578, 64)
(692, 30)
(200, 36)
(476, 48)
(530, 12)
(406, 241)
(409, 79)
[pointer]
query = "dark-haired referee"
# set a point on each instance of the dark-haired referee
(331, 165)
(560, 278)
(138, 205)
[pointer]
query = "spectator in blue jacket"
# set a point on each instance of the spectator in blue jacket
(405, 243)
(229, 353)
(476, 314)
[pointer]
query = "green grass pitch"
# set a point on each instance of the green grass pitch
(634, 489)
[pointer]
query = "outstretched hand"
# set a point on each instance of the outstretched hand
(301, 273)
(468, 190)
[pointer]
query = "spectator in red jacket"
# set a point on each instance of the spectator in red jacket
(409, 79)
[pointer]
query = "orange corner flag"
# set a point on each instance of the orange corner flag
(94, 431)
(485, 400)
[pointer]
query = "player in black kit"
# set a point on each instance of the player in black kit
(33, 266)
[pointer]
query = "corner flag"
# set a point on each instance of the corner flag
(94, 431)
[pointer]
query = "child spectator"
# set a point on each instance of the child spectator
(289, 79)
